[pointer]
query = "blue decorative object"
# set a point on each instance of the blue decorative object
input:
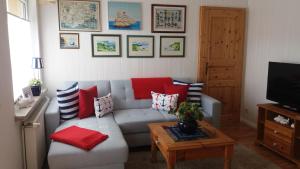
(178, 135)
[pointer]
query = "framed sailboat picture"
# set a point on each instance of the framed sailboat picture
(124, 15)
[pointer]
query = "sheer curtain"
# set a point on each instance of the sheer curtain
(21, 53)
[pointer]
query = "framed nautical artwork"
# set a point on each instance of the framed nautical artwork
(106, 45)
(79, 15)
(172, 46)
(168, 18)
(69, 40)
(139, 46)
(124, 15)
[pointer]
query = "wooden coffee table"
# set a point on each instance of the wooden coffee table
(218, 145)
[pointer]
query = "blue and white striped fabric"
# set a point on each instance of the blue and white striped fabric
(194, 91)
(68, 102)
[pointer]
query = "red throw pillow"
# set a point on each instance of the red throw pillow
(142, 87)
(86, 102)
(79, 137)
(177, 89)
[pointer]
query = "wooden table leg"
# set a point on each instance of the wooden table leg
(153, 149)
(228, 156)
(171, 160)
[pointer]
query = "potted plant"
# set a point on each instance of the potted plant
(35, 85)
(187, 116)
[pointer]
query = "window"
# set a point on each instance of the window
(20, 44)
(18, 8)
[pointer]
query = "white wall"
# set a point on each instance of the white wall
(10, 141)
(62, 65)
(273, 35)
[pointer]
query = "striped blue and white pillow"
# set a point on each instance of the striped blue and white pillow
(68, 102)
(194, 91)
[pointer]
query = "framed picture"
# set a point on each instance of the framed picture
(139, 46)
(27, 93)
(69, 40)
(172, 46)
(79, 15)
(106, 45)
(168, 18)
(124, 15)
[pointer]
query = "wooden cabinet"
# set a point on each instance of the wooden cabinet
(282, 139)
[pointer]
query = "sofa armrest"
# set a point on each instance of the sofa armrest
(52, 119)
(212, 107)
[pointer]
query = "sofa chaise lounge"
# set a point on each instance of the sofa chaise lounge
(126, 127)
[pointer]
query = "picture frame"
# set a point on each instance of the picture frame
(168, 18)
(140, 46)
(106, 45)
(172, 46)
(124, 15)
(27, 93)
(69, 40)
(79, 15)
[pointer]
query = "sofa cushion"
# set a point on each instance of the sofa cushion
(136, 120)
(86, 102)
(103, 86)
(113, 150)
(123, 97)
(103, 105)
(68, 102)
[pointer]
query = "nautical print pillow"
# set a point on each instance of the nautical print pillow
(164, 102)
(194, 91)
(103, 105)
(68, 102)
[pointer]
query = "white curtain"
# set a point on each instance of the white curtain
(21, 53)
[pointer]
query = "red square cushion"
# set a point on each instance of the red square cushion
(86, 102)
(177, 89)
(79, 137)
(142, 87)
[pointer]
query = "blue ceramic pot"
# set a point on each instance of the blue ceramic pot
(188, 126)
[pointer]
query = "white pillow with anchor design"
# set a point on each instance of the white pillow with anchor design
(103, 105)
(164, 102)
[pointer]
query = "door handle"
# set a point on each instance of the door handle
(206, 68)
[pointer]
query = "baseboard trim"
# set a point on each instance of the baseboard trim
(248, 122)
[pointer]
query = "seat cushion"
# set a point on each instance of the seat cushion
(113, 150)
(136, 120)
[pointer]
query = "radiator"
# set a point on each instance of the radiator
(34, 137)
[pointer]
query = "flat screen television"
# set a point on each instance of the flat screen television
(284, 84)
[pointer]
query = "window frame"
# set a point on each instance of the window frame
(25, 8)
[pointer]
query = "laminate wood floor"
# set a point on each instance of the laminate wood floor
(246, 136)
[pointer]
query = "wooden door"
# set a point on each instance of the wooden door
(221, 57)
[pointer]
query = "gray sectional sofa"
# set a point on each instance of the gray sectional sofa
(126, 127)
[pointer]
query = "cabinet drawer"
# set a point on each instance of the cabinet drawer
(279, 131)
(277, 144)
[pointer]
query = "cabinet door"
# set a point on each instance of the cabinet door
(221, 57)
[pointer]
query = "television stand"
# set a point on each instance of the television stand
(289, 108)
(282, 139)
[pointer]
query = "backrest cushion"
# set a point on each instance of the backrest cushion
(123, 97)
(103, 86)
